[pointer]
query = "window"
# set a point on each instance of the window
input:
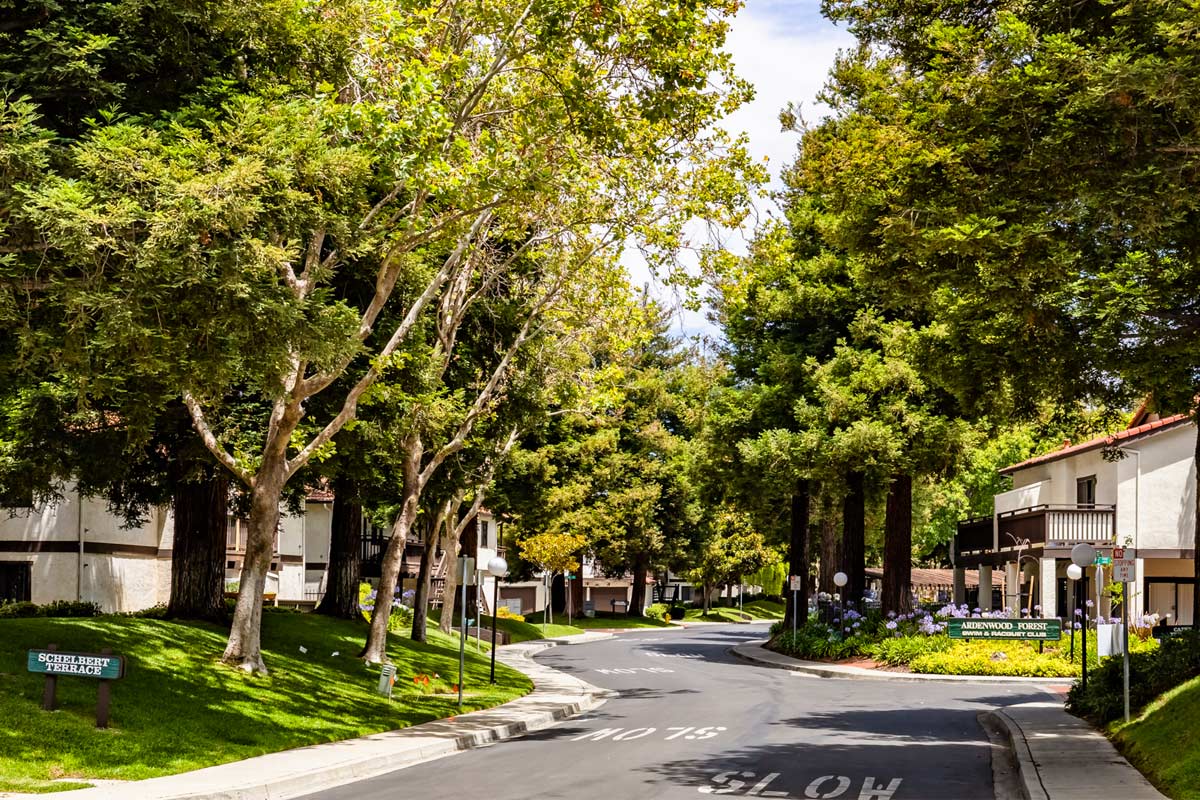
(1085, 491)
(15, 581)
(1170, 598)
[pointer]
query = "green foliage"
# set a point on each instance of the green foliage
(904, 649)
(657, 611)
(993, 658)
(770, 577)
(58, 608)
(1151, 672)
(816, 641)
(1160, 741)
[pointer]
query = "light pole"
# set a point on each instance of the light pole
(497, 568)
(1074, 573)
(1082, 555)
(840, 579)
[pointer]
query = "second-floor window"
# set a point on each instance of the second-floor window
(1085, 491)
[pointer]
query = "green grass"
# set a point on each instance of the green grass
(179, 709)
(754, 610)
(1162, 741)
(605, 620)
(765, 609)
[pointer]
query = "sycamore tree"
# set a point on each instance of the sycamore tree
(210, 247)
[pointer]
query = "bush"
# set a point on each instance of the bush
(21, 609)
(904, 649)
(657, 611)
(59, 608)
(993, 657)
(1151, 672)
(503, 613)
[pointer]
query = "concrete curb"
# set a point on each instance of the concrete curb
(1061, 757)
(292, 773)
(755, 653)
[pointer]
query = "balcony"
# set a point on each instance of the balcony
(1051, 530)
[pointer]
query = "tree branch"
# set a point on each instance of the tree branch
(200, 422)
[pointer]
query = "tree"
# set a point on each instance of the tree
(733, 550)
(450, 127)
(554, 553)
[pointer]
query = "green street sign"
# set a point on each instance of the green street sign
(1036, 629)
(78, 665)
(1102, 561)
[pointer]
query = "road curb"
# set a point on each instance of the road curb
(755, 653)
(291, 773)
(1027, 772)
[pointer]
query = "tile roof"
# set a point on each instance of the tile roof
(1108, 440)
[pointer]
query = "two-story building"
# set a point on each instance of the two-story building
(1134, 489)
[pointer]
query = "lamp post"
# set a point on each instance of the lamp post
(1074, 573)
(1082, 555)
(497, 568)
(840, 579)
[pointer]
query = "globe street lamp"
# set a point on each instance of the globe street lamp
(1082, 555)
(497, 568)
(840, 579)
(1074, 572)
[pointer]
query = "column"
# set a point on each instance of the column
(1048, 583)
(1012, 587)
(960, 586)
(985, 587)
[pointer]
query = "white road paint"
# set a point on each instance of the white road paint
(675, 655)
(826, 787)
(633, 670)
(690, 733)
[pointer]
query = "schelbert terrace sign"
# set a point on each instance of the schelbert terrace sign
(1035, 629)
(79, 665)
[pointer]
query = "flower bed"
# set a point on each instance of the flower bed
(918, 642)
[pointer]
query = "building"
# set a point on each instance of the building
(1135, 488)
(76, 549)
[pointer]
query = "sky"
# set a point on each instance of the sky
(784, 48)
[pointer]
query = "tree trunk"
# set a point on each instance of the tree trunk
(424, 573)
(558, 593)
(831, 546)
(201, 512)
(707, 590)
(797, 602)
(375, 650)
(897, 547)
(637, 602)
(344, 573)
(854, 539)
(244, 648)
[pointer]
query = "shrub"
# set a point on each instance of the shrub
(503, 613)
(992, 657)
(657, 611)
(904, 649)
(1151, 672)
(20, 609)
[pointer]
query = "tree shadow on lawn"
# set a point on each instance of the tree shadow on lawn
(178, 709)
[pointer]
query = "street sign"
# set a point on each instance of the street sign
(78, 665)
(1124, 565)
(793, 583)
(1036, 629)
(1102, 561)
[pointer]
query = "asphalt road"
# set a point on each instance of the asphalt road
(693, 720)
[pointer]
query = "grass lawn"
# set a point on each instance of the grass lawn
(754, 610)
(1162, 741)
(605, 620)
(179, 709)
(765, 609)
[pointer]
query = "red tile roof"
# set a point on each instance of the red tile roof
(1135, 432)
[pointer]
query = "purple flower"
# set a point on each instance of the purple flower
(1079, 612)
(891, 625)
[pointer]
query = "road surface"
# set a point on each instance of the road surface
(692, 720)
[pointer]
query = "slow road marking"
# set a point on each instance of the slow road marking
(825, 787)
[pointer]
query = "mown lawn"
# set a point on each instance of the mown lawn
(1162, 741)
(179, 708)
(754, 610)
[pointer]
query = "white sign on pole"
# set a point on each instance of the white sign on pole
(794, 583)
(1124, 566)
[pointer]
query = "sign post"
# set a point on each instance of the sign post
(1125, 572)
(466, 575)
(103, 666)
(794, 585)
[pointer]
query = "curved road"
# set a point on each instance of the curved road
(693, 720)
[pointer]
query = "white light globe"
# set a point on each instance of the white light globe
(1083, 554)
(840, 579)
(497, 567)
(1074, 572)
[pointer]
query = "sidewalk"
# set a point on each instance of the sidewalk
(757, 654)
(1061, 757)
(293, 773)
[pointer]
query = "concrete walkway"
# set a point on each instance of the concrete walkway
(1061, 757)
(292, 773)
(756, 653)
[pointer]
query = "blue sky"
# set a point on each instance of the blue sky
(785, 48)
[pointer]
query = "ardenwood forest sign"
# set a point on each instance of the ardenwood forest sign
(1036, 629)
